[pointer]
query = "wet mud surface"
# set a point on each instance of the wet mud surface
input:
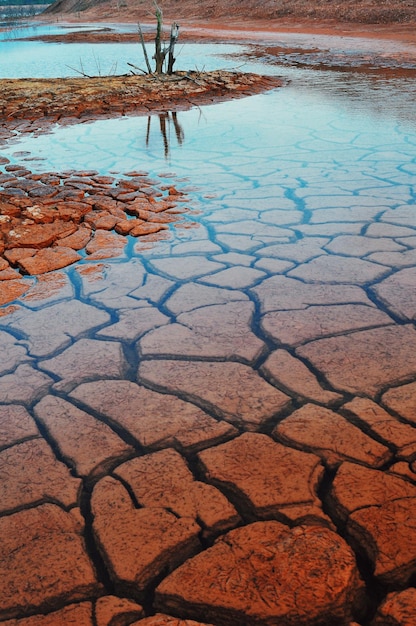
(219, 429)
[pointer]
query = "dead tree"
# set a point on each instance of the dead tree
(161, 51)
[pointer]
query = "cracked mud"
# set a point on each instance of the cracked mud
(216, 427)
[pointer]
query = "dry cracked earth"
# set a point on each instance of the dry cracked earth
(220, 432)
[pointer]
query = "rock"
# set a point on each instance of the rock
(48, 260)
(87, 444)
(387, 536)
(366, 361)
(402, 400)
(281, 293)
(16, 425)
(84, 361)
(297, 327)
(284, 369)
(137, 545)
(166, 620)
(338, 269)
(10, 290)
(38, 235)
(233, 390)
(397, 293)
(356, 487)
(35, 476)
(155, 420)
(185, 268)
(380, 513)
(399, 436)
(163, 479)
(77, 240)
(398, 609)
(113, 611)
(250, 470)
(237, 277)
(54, 327)
(266, 573)
(330, 436)
(360, 245)
(79, 614)
(105, 244)
(194, 296)
(25, 386)
(44, 563)
(12, 353)
(222, 330)
(133, 323)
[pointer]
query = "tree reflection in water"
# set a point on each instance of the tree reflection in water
(167, 119)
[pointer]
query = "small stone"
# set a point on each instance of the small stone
(266, 573)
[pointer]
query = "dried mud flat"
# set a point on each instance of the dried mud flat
(218, 436)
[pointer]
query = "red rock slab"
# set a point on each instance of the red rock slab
(398, 294)
(54, 327)
(10, 290)
(114, 611)
(330, 436)
(44, 563)
(35, 476)
(15, 254)
(284, 369)
(16, 425)
(8, 274)
(265, 478)
(12, 353)
(266, 573)
(137, 545)
(398, 609)
(233, 390)
(85, 360)
(366, 361)
(78, 240)
(281, 293)
(386, 534)
(166, 620)
(48, 260)
(297, 327)
(24, 386)
(222, 330)
(402, 400)
(356, 487)
(156, 420)
(87, 444)
(163, 479)
(77, 614)
(401, 437)
(38, 235)
(104, 240)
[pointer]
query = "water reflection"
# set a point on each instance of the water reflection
(167, 119)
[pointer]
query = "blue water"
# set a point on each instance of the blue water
(324, 140)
